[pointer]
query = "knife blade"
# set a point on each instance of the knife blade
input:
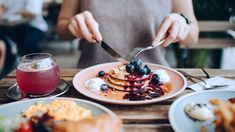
(113, 53)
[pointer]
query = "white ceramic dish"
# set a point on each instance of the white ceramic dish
(181, 122)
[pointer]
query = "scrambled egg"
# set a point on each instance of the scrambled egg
(60, 110)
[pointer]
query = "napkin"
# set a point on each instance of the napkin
(214, 81)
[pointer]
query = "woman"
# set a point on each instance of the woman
(127, 24)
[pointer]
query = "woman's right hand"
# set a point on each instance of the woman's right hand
(83, 25)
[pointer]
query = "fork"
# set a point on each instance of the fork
(206, 85)
(136, 51)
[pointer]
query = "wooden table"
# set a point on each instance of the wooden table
(148, 118)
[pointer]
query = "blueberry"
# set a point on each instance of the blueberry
(155, 79)
(148, 69)
(130, 68)
(138, 69)
(145, 70)
(142, 71)
(104, 87)
(132, 62)
(136, 63)
(101, 73)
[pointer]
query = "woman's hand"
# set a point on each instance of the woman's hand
(173, 29)
(83, 25)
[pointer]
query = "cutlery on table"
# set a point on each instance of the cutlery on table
(204, 71)
(206, 85)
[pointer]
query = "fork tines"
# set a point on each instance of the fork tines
(133, 54)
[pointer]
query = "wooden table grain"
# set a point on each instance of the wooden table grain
(148, 118)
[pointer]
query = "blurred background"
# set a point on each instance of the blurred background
(215, 49)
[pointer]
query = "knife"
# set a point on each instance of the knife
(113, 53)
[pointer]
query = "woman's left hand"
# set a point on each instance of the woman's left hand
(173, 29)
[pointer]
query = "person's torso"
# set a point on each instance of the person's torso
(126, 24)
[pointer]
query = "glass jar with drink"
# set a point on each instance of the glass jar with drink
(38, 74)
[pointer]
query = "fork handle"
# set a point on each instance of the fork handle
(152, 47)
(161, 42)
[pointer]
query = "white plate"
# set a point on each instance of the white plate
(11, 110)
(181, 122)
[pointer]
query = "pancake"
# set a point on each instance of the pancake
(119, 82)
(121, 74)
(127, 83)
(115, 86)
(120, 79)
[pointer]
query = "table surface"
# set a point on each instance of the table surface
(148, 118)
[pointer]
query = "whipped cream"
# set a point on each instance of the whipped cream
(163, 76)
(94, 84)
(200, 112)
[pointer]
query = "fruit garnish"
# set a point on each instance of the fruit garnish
(232, 100)
(135, 66)
(104, 87)
(155, 79)
(136, 63)
(101, 73)
(130, 68)
(148, 69)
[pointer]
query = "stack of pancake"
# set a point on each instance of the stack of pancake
(120, 79)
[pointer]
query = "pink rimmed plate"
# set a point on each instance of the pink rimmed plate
(177, 81)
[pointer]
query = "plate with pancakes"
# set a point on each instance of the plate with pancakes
(135, 83)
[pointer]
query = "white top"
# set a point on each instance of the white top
(32, 6)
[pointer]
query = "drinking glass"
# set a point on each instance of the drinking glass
(37, 74)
